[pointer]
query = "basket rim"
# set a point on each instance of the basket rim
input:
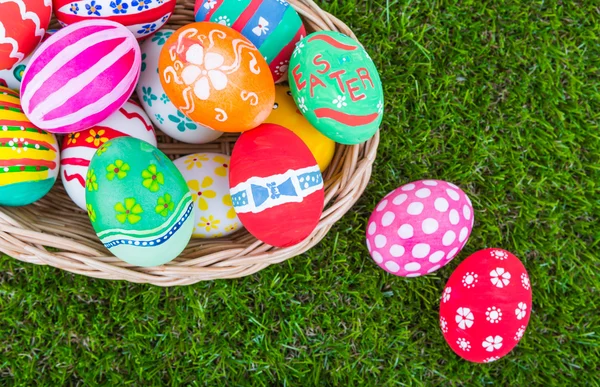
(29, 237)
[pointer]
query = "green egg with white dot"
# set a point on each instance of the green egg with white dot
(138, 202)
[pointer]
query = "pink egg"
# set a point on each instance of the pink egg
(419, 227)
(80, 75)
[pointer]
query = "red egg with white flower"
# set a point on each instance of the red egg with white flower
(486, 305)
(419, 227)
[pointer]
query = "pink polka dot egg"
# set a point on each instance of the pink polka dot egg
(419, 227)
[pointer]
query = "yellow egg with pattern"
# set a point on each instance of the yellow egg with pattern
(286, 114)
(207, 177)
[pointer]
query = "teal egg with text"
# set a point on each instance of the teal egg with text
(336, 86)
(138, 202)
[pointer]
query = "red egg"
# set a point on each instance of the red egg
(486, 305)
(22, 27)
(276, 185)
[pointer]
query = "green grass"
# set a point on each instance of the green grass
(502, 100)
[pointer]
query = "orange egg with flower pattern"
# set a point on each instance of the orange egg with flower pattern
(216, 77)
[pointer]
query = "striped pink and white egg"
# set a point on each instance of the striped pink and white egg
(79, 148)
(419, 227)
(80, 76)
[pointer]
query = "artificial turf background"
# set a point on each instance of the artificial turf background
(500, 99)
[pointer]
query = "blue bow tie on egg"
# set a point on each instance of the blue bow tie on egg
(273, 190)
(260, 193)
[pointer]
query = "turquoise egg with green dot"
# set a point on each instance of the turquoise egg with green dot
(138, 202)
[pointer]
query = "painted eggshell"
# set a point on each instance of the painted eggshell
(276, 185)
(216, 77)
(81, 75)
(273, 26)
(286, 114)
(29, 157)
(161, 110)
(419, 227)
(12, 77)
(337, 87)
(486, 305)
(79, 148)
(141, 17)
(138, 202)
(22, 27)
(207, 176)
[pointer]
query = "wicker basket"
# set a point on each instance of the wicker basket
(55, 232)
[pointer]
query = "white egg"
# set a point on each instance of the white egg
(154, 100)
(79, 148)
(207, 177)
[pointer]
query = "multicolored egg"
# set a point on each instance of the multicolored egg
(486, 305)
(22, 27)
(216, 77)
(337, 87)
(207, 176)
(12, 77)
(273, 26)
(153, 98)
(81, 75)
(286, 114)
(79, 148)
(419, 227)
(141, 17)
(138, 202)
(29, 157)
(276, 185)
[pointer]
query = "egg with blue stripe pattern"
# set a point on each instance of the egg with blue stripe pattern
(273, 26)
(138, 202)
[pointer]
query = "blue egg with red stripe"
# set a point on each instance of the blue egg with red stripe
(273, 26)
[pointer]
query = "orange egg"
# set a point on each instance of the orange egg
(216, 77)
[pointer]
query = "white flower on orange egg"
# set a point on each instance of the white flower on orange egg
(204, 71)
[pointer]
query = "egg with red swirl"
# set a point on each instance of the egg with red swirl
(486, 305)
(419, 227)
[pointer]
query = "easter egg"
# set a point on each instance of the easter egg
(29, 157)
(216, 77)
(80, 75)
(276, 185)
(286, 114)
(337, 87)
(486, 305)
(12, 77)
(138, 202)
(141, 17)
(155, 102)
(419, 227)
(273, 26)
(22, 27)
(207, 176)
(79, 148)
